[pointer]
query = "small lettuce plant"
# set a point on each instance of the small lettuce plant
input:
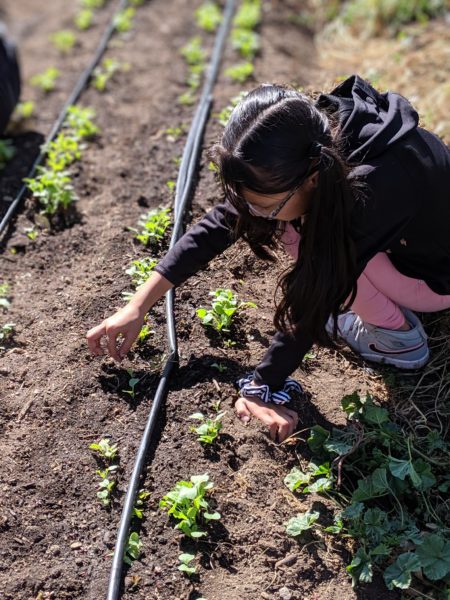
(225, 305)
(209, 428)
(46, 81)
(152, 226)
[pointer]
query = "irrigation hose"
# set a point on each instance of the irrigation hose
(72, 99)
(184, 188)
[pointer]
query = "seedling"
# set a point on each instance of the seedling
(141, 270)
(105, 449)
(6, 333)
(31, 233)
(79, 120)
(46, 81)
(144, 333)
(171, 185)
(249, 14)
(220, 367)
(105, 72)
(186, 99)
(225, 113)
(53, 190)
(208, 16)
(62, 152)
(246, 42)
(123, 21)
(224, 307)
(4, 293)
(132, 382)
(7, 151)
(240, 72)
(186, 502)
(302, 522)
(64, 40)
(185, 566)
(193, 52)
(174, 133)
(24, 110)
(209, 429)
(140, 501)
(153, 226)
(92, 4)
(132, 549)
(106, 484)
(84, 19)
(229, 343)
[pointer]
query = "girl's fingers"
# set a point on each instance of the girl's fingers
(126, 345)
(242, 411)
(94, 336)
(292, 414)
(273, 431)
(112, 348)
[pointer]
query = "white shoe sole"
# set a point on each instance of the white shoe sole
(396, 362)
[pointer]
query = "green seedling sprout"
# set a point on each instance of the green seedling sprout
(6, 333)
(240, 72)
(80, 121)
(186, 99)
(46, 81)
(229, 343)
(187, 503)
(220, 367)
(144, 333)
(208, 16)
(153, 226)
(193, 52)
(246, 42)
(92, 4)
(104, 449)
(141, 270)
(62, 152)
(224, 307)
(106, 484)
(249, 14)
(140, 501)
(132, 549)
(7, 152)
(31, 233)
(132, 382)
(4, 294)
(302, 522)
(123, 21)
(64, 40)
(174, 133)
(171, 185)
(209, 429)
(84, 19)
(185, 566)
(105, 72)
(24, 110)
(225, 113)
(53, 190)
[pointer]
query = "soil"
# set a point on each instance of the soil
(57, 399)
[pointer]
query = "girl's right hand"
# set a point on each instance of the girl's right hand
(126, 322)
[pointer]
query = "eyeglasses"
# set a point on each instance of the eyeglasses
(258, 211)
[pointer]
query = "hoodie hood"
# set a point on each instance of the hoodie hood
(370, 121)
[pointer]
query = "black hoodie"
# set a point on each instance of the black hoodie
(406, 211)
(9, 79)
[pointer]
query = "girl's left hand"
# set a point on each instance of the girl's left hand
(281, 421)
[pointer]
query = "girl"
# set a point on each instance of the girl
(360, 196)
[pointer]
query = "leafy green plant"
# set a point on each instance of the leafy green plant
(123, 21)
(92, 4)
(105, 72)
(4, 294)
(24, 110)
(392, 489)
(186, 98)
(153, 226)
(249, 14)
(64, 40)
(209, 429)
(220, 367)
(140, 501)
(7, 152)
(80, 121)
(106, 484)
(46, 81)
(6, 333)
(245, 41)
(62, 152)
(132, 549)
(300, 523)
(144, 333)
(187, 503)
(225, 114)
(240, 72)
(132, 383)
(193, 52)
(141, 270)
(84, 19)
(224, 308)
(208, 16)
(104, 449)
(174, 133)
(185, 566)
(31, 233)
(53, 190)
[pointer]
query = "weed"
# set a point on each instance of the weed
(224, 307)
(220, 367)
(62, 152)
(185, 567)
(240, 72)
(46, 81)
(105, 449)
(24, 110)
(4, 294)
(186, 502)
(209, 429)
(302, 522)
(249, 14)
(153, 226)
(132, 549)
(246, 42)
(208, 16)
(140, 500)
(83, 20)
(225, 114)
(79, 120)
(53, 190)
(229, 343)
(31, 233)
(64, 40)
(123, 21)
(132, 382)
(7, 152)
(106, 484)
(6, 333)
(141, 270)
(105, 72)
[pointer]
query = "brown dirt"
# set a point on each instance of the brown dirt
(57, 540)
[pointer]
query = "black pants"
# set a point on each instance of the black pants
(9, 79)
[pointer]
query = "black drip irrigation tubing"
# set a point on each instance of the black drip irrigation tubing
(184, 188)
(72, 99)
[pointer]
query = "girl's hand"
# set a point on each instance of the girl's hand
(127, 321)
(281, 421)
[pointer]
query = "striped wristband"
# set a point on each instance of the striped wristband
(262, 391)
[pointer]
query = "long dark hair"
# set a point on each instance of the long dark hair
(274, 139)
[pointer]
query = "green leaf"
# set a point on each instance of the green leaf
(215, 516)
(352, 405)
(302, 522)
(360, 569)
(434, 555)
(375, 414)
(321, 485)
(296, 478)
(401, 468)
(317, 438)
(399, 573)
(371, 487)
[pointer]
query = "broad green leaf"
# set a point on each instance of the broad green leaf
(434, 555)
(197, 415)
(186, 557)
(401, 468)
(296, 478)
(354, 511)
(352, 405)
(317, 438)
(215, 516)
(321, 485)
(375, 414)
(302, 522)
(360, 569)
(399, 573)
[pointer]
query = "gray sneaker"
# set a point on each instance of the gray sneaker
(403, 349)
